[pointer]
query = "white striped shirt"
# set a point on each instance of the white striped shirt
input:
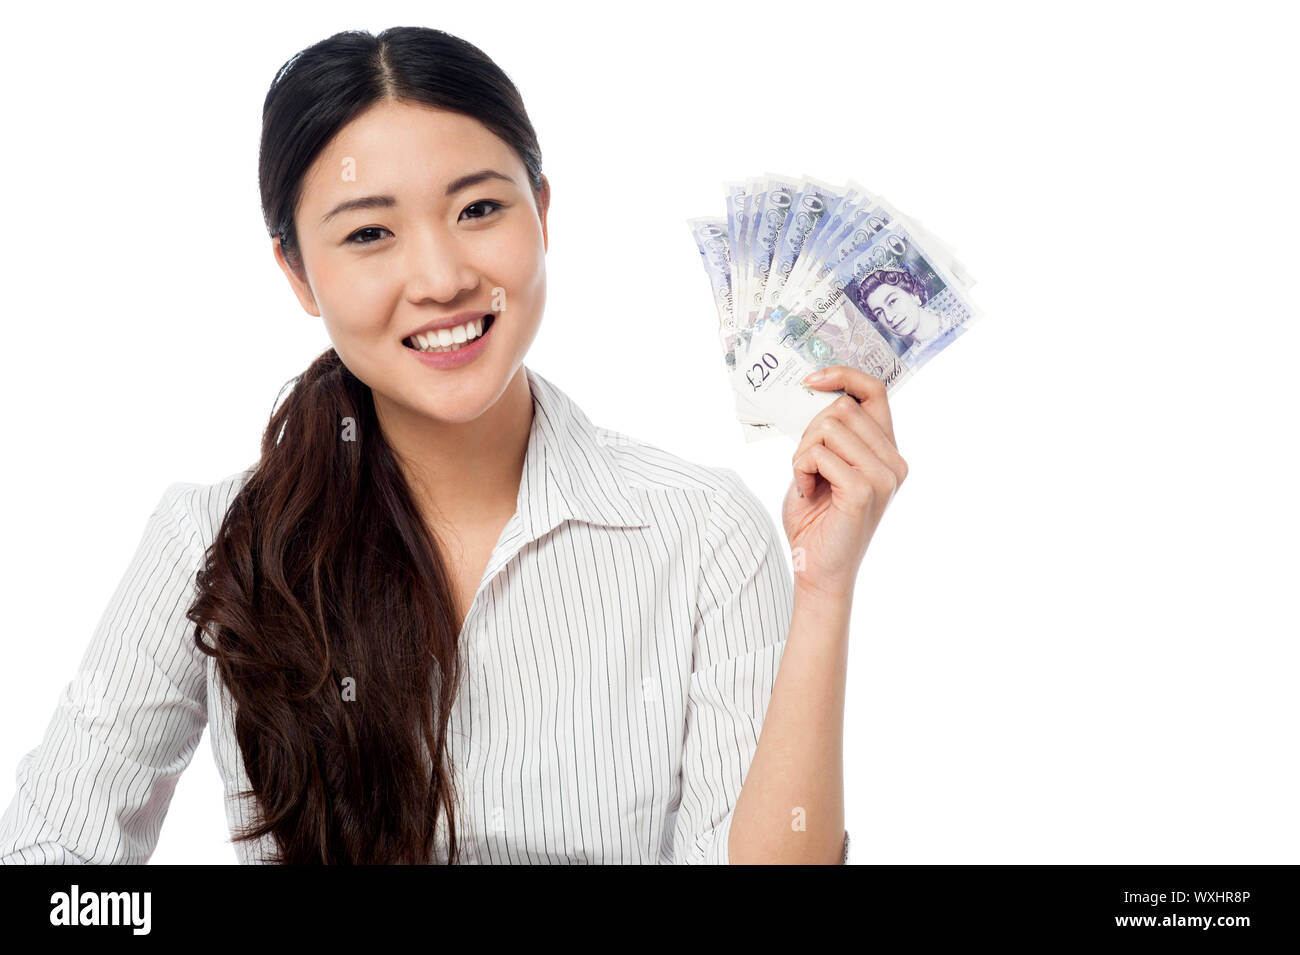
(620, 653)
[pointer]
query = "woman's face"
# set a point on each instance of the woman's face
(422, 247)
(895, 308)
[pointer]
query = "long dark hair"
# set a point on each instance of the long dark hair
(324, 592)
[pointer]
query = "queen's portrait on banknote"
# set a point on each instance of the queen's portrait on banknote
(895, 300)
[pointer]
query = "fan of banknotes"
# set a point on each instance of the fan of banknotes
(805, 275)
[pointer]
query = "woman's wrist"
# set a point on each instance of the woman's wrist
(822, 596)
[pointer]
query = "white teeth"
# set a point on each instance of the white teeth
(448, 339)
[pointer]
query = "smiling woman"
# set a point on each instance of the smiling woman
(444, 617)
(413, 206)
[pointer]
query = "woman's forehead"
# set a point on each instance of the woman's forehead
(393, 148)
(388, 124)
(389, 133)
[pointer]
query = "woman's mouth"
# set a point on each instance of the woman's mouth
(446, 340)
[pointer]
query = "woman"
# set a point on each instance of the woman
(444, 617)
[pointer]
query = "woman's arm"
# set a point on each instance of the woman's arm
(846, 470)
(97, 787)
(791, 808)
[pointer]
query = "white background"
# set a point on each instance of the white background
(1074, 635)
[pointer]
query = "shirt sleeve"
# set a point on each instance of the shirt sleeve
(742, 618)
(96, 789)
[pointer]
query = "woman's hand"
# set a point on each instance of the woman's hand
(846, 470)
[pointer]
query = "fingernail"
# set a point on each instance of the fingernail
(815, 376)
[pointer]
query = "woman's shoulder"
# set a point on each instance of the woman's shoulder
(201, 506)
(641, 465)
(652, 469)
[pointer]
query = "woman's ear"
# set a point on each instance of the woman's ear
(544, 203)
(297, 279)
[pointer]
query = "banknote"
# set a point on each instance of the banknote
(807, 212)
(712, 239)
(805, 274)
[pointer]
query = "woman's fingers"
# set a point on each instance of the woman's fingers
(867, 389)
(884, 473)
(819, 459)
(847, 428)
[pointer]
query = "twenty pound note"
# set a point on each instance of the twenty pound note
(804, 276)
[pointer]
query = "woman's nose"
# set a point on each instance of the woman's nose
(438, 267)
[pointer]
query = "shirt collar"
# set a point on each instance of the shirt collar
(568, 473)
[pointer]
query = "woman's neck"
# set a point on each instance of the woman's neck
(466, 474)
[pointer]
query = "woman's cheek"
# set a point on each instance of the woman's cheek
(524, 273)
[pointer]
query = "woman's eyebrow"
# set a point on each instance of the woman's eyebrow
(365, 202)
(387, 202)
(474, 178)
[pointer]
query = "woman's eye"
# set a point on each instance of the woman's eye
(484, 202)
(485, 206)
(370, 228)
